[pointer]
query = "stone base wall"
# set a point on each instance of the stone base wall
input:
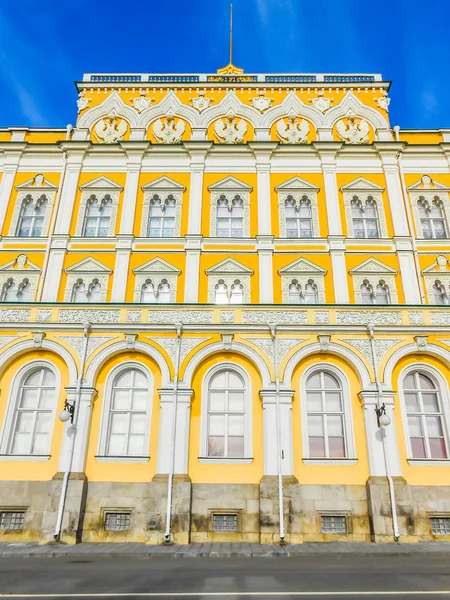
(367, 510)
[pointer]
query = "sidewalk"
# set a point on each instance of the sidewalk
(108, 550)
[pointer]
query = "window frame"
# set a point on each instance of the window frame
(36, 188)
(163, 187)
(114, 373)
(363, 189)
(356, 200)
(349, 435)
(248, 416)
(429, 199)
(33, 202)
(12, 405)
(99, 187)
(298, 189)
(230, 187)
(443, 397)
(98, 218)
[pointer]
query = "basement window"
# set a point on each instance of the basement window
(440, 525)
(224, 522)
(334, 524)
(11, 520)
(117, 521)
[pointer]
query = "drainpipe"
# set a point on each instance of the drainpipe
(409, 218)
(380, 410)
(76, 409)
(179, 327)
(273, 333)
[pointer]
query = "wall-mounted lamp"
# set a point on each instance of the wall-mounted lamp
(67, 414)
(383, 418)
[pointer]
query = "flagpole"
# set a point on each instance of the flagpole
(231, 34)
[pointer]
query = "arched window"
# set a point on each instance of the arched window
(365, 218)
(237, 293)
(221, 292)
(230, 217)
(432, 219)
(79, 292)
(148, 292)
(440, 293)
(298, 218)
(32, 215)
(164, 292)
(91, 293)
(310, 295)
(161, 222)
(13, 292)
(424, 413)
(226, 415)
(97, 217)
(307, 295)
(94, 291)
(33, 416)
(325, 416)
(295, 292)
(378, 296)
(128, 419)
(151, 296)
(232, 295)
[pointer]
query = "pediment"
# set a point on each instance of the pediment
(20, 264)
(441, 265)
(39, 182)
(302, 265)
(297, 184)
(426, 184)
(88, 265)
(157, 265)
(362, 185)
(230, 183)
(101, 183)
(372, 265)
(163, 183)
(229, 265)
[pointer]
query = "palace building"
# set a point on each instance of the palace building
(224, 315)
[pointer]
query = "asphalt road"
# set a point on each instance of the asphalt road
(418, 577)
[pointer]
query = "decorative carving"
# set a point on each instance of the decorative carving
(230, 188)
(82, 101)
(156, 271)
(7, 339)
(322, 317)
(374, 272)
(441, 263)
(295, 191)
(422, 342)
(287, 317)
(230, 130)
(416, 318)
(110, 130)
(382, 346)
(227, 316)
(134, 316)
(38, 338)
(44, 316)
(303, 272)
(141, 102)
(180, 316)
(201, 102)
(170, 345)
(321, 103)
(100, 190)
(384, 101)
(14, 316)
(353, 130)
(294, 131)
(131, 340)
(261, 103)
(440, 318)
(283, 346)
(77, 343)
(363, 190)
(364, 317)
(227, 340)
(324, 342)
(170, 130)
(88, 315)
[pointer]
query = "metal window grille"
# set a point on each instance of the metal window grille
(440, 525)
(225, 522)
(117, 521)
(11, 519)
(334, 524)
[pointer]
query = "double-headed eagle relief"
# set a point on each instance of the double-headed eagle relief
(353, 130)
(170, 130)
(110, 129)
(230, 130)
(294, 130)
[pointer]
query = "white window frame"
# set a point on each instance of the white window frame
(106, 411)
(303, 271)
(162, 187)
(373, 271)
(423, 202)
(374, 287)
(36, 188)
(361, 204)
(101, 202)
(439, 380)
(298, 189)
(18, 270)
(348, 416)
(87, 270)
(364, 189)
(230, 187)
(438, 271)
(12, 404)
(429, 189)
(156, 270)
(229, 270)
(248, 442)
(41, 201)
(99, 187)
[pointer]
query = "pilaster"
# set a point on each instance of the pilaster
(192, 280)
(123, 253)
(263, 152)
(339, 265)
(327, 153)
(197, 152)
(52, 281)
(265, 257)
(181, 431)
(135, 152)
(75, 153)
(388, 153)
(12, 153)
(269, 405)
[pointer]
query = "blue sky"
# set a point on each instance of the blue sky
(47, 44)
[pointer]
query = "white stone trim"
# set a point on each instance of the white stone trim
(106, 408)
(162, 187)
(373, 271)
(99, 187)
(248, 401)
(438, 271)
(87, 270)
(303, 271)
(432, 350)
(428, 189)
(350, 453)
(228, 271)
(363, 189)
(229, 187)
(13, 399)
(18, 270)
(156, 270)
(36, 188)
(298, 189)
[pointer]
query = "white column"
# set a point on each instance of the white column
(10, 166)
(135, 152)
(374, 440)
(181, 432)
(120, 276)
(192, 273)
(389, 159)
(263, 152)
(198, 152)
(75, 152)
(270, 432)
(265, 256)
(408, 271)
(55, 267)
(327, 154)
(339, 266)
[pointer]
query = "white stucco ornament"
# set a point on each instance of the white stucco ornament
(110, 129)
(169, 130)
(261, 103)
(384, 101)
(82, 101)
(201, 102)
(141, 102)
(295, 131)
(230, 130)
(321, 103)
(353, 130)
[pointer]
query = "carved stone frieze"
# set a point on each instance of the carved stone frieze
(77, 343)
(416, 318)
(287, 317)
(368, 316)
(353, 130)
(440, 318)
(169, 130)
(230, 129)
(382, 346)
(293, 130)
(201, 102)
(11, 315)
(141, 102)
(227, 316)
(260, 102)
(170, 345)
(43, 316)
(110, 129)
(180, 316)
(283, 346)
(7, 339)
(134, 316)
(88, 315)
(321, 103)
(322, 317)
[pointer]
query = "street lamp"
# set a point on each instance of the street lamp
(67, 414)
(383, 418)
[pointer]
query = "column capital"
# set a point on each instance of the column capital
(371, 398)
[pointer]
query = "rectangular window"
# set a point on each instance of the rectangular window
(225, 523)
(11, 520)
(440, 525)
(334, 524)
(117, 521)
